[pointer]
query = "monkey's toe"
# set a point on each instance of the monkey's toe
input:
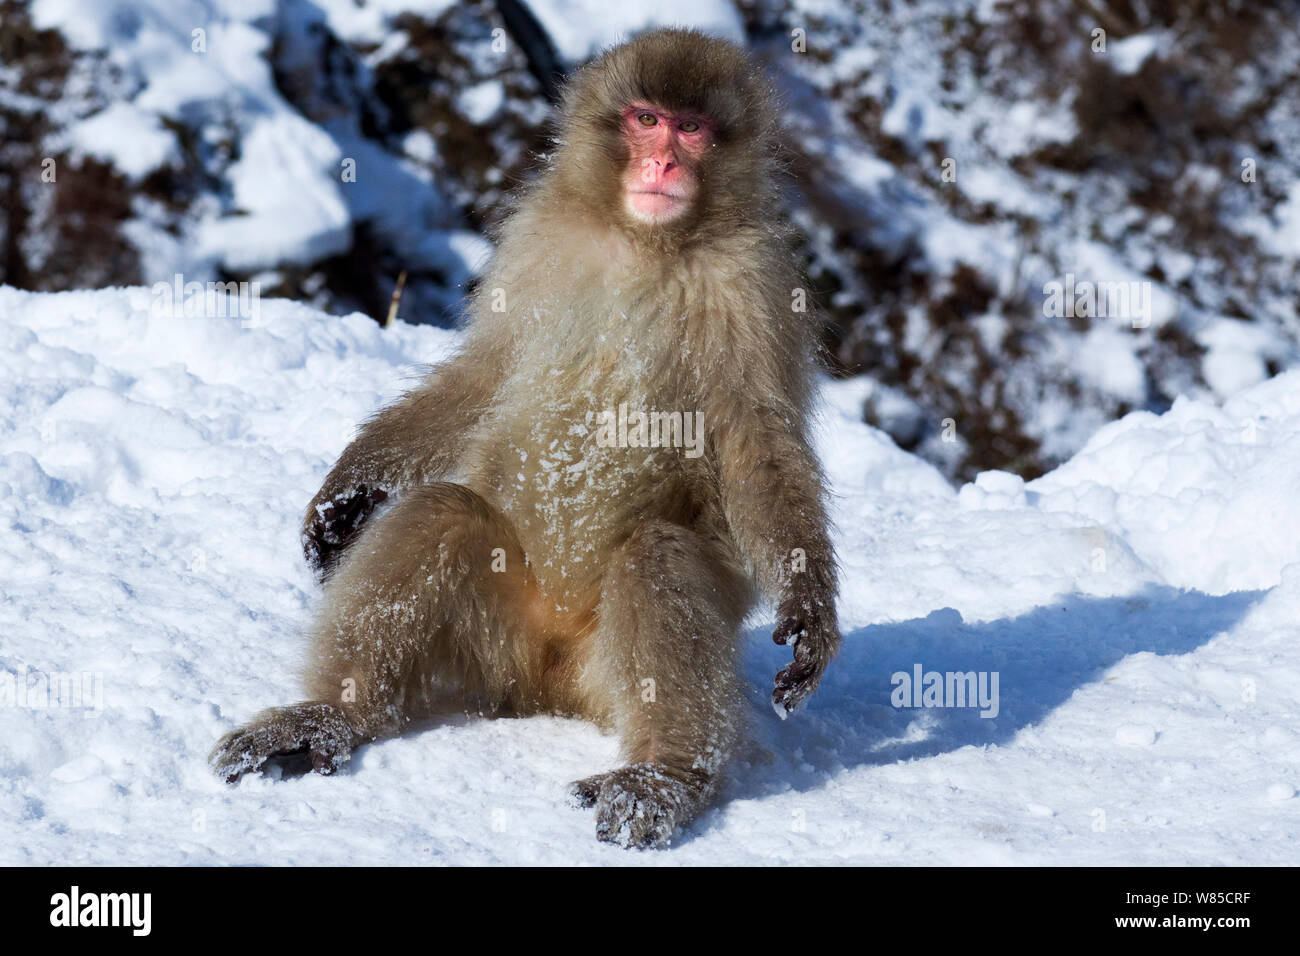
(585, 792)
(641, 806)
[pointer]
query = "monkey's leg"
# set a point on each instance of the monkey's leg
(434, 599)
(662, 662)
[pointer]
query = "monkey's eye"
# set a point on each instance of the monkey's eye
(647, 119)
(688, 126)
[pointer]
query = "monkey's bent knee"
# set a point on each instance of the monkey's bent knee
(448, 498)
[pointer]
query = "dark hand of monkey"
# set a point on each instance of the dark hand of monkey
(333, 525)
(318, 731)
(802, 624)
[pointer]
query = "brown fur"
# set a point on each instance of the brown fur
(628, 571)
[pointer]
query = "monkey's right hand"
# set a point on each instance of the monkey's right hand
(320, 731)
(332, 523)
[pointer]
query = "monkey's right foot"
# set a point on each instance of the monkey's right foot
(319, 731)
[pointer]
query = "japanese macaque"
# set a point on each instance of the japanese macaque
(581, 506)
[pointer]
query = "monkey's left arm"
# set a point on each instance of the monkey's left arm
(772, 493)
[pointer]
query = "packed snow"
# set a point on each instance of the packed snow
(1135, 611)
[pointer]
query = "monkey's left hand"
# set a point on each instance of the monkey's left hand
(811, 628)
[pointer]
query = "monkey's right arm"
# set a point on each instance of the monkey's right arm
(416, 440)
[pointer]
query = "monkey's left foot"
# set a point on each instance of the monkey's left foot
(639, 806)
(320, 731)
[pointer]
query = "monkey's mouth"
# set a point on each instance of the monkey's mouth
(656, 205)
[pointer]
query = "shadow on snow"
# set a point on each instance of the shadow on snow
(1041, 656)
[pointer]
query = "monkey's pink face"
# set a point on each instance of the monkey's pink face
(664, 151)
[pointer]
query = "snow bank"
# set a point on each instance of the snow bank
(152, 474)
(1205, 494)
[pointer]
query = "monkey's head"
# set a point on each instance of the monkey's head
(668, 134)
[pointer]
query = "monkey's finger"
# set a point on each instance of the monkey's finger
(325, 516)
(350, 508)
(786, 700)
(793, 684)
(315, 542)
(788, 628)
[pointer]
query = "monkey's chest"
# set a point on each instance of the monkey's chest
(580, 460)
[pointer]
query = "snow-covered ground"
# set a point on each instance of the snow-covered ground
(1139, 606)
